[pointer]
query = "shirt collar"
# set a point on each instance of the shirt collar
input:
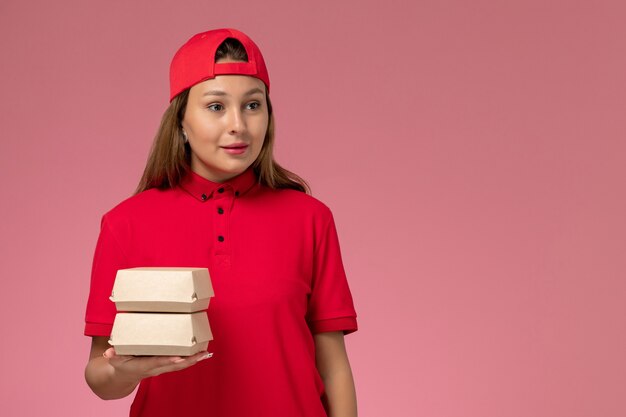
(203, 189)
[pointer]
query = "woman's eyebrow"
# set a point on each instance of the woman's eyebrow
(214, 93)
(254, 91)
(223, 93)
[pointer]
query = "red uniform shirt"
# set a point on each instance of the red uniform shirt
(277, 273)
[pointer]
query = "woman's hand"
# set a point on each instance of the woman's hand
(139, 367)
(112, 376)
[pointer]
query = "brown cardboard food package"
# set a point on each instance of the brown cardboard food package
(160, 311)
(168, 334)
(167, 290)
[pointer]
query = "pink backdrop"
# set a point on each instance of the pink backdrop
(472, 152)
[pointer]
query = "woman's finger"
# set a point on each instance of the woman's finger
(110, 354)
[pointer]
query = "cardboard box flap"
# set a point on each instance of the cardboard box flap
(171, 289)
(202, 329)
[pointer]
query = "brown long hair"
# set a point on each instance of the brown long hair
(170, 157)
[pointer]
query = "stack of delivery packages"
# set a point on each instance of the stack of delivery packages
(161, 311)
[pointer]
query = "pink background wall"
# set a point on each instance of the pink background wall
(472, 152)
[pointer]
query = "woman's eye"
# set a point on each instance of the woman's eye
(254, 105)
(215, 107)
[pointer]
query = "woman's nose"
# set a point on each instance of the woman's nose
(236, 121)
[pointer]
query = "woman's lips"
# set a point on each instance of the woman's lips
(235, 150)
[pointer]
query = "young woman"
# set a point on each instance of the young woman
(212, 196)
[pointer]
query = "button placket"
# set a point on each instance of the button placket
(223, 203)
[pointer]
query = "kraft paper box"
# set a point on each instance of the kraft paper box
(175, 290)
(167, 334)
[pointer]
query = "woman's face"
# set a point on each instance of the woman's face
(225, 121)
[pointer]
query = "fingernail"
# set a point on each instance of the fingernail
(205, 356)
